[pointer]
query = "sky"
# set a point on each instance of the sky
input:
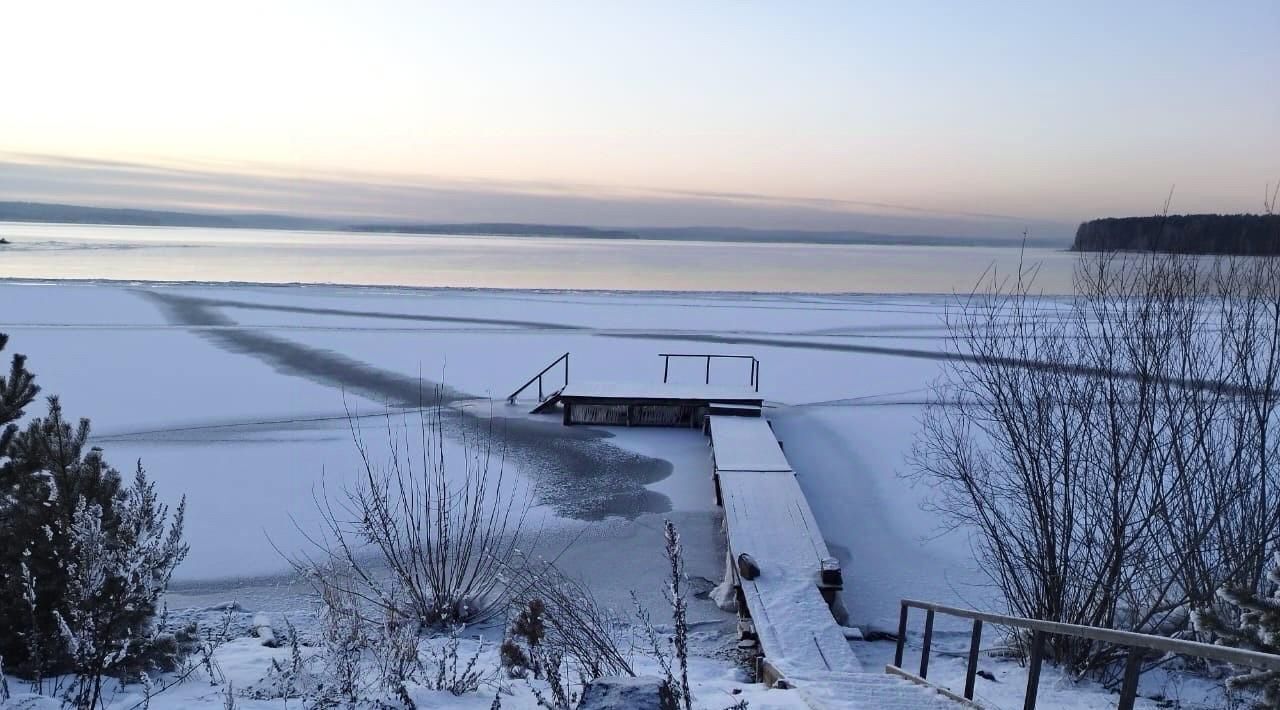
(946, 117)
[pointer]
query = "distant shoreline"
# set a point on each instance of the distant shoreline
(50, 213)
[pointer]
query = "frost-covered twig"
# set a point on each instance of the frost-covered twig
(679, 607)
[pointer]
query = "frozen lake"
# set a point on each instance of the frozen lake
(43, 251)
(238, 397)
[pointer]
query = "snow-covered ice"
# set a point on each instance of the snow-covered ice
(239, 397)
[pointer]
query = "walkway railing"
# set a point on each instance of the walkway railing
(1138, 645)
(538, 378)
(755, 365)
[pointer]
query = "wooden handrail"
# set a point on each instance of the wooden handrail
(1238, 656)
(1138, 643)
(538, 378)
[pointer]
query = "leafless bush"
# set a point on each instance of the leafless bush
(670, 693)
(343, 639)
(576, 627)
(292, 679)
(1114, 452)
(395, 649)
(422, 542)
(449, 669)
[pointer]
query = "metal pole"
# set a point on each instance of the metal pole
(928, 641)
(1129, 688)
(902, 636)
(1033, 673)
(708, 369)
(666, 367)
(566, 369)
(971, 672)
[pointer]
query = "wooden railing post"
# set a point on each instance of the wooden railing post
(1033, 672)
(928, 642)
(1129, 688)
(971, 671)
(902, 636)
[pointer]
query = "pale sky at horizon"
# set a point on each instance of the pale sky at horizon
(992, 114)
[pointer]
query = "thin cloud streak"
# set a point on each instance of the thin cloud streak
(366, 196)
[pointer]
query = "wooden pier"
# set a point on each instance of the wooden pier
(784, 579)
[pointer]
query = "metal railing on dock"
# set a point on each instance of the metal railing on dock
(1137, 644)
(755, 365)
(538, 379)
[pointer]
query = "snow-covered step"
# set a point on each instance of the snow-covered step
(869, 691)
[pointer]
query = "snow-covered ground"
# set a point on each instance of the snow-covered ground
(240, 398)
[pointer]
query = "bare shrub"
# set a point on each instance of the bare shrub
(395, 649)
(343, 639)
(1113, 452)
(558, 616)
(449, 669)
(419, 541)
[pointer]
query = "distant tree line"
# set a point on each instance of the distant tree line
(1244, 234)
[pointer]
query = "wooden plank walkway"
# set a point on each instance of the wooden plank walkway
(768, 518)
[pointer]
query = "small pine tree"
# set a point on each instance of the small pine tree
(1248, 620)
(84, 559)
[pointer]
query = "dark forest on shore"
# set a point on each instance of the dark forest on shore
(1246, 234)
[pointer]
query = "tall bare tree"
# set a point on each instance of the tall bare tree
(1113, 453)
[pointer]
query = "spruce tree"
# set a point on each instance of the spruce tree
(1249, 620)
(84, 559)
(16, 392)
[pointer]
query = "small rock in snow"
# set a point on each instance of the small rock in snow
(641, 693)
(851, 633)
